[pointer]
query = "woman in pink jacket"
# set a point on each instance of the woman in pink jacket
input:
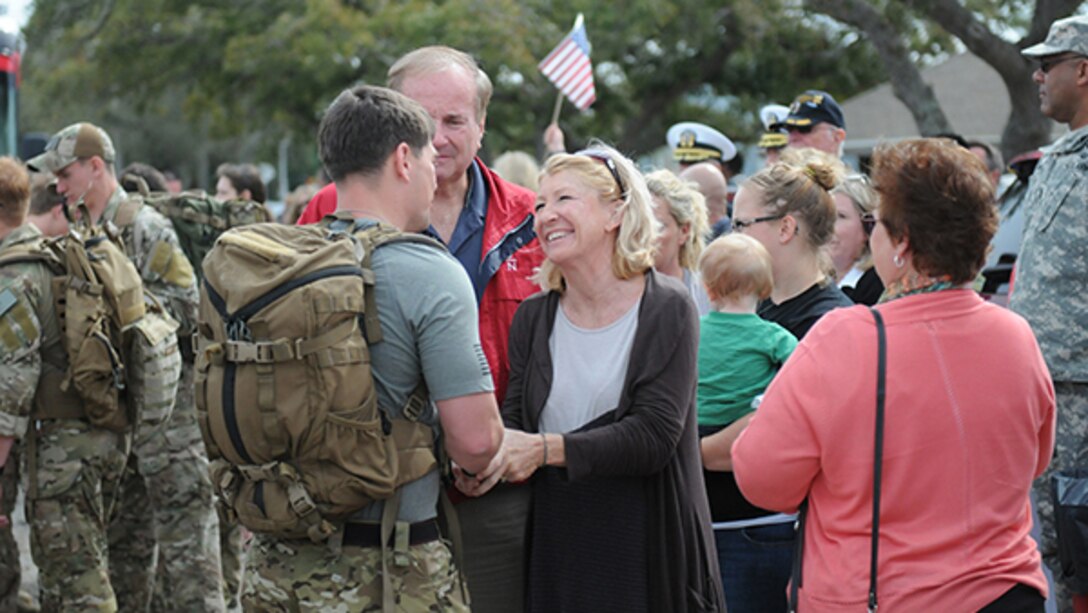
(969, 414)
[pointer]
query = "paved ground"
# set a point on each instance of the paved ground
(30, 572)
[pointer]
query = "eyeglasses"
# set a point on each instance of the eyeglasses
(609, 164)
(1046, 63)
(740, 224)
(868, 223)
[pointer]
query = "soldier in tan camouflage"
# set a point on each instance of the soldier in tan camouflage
(376, 145)
(167, 494)
(1052, 270)
(75, 468)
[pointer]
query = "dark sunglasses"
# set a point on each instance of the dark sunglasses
(609, 164)
(740, 224)
(868, 223)
(1046, 63)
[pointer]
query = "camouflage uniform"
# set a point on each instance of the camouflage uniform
(168, 479)
(1051, 285)
(74, 468)
(10, 572)
(316, 579)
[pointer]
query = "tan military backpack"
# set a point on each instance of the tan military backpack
(285, 394)
(100, 303)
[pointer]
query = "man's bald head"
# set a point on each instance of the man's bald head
(712, 185)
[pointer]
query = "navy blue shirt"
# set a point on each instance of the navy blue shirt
(467, 242)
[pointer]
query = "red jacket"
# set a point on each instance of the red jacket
(511, 252)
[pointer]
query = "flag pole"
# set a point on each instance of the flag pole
(558, 106)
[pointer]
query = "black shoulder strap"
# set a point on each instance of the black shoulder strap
(878, 469)
(878, 451)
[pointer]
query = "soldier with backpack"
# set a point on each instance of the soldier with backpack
(166, 499)
(329, 457)
(74, 464)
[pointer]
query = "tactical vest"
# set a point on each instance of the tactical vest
(100, 304)
(284, 390)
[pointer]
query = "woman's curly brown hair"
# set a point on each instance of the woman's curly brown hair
(938, 195)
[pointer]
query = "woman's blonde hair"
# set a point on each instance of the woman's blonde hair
(800, 185)
(687, 207)
(519, 168)
(859, 189)
(636, 238)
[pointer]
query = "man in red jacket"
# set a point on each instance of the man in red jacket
(487, 224)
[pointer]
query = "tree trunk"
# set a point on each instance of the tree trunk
(1027, 128)
(906, 79)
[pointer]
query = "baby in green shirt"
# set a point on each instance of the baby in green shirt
(739, 352)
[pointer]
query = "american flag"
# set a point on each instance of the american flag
(569, 68)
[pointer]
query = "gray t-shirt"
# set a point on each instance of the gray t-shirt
(427, 311)
(588, 369)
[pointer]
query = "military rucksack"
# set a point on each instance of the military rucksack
(100, 304)
(285, 394)
(198, 218)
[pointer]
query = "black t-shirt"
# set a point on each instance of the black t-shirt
(867, 290)
(797, 315)
(801, 312)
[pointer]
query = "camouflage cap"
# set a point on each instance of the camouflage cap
(1069, 35)
(77, 141)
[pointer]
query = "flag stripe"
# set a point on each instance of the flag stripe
(569, 67)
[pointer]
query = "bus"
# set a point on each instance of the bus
(11, 48)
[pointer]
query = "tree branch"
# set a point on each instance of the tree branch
(1026, 128)
(906, 79)
(1046, 13)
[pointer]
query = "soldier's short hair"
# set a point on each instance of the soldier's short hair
(436, 58)
(243, 177)
(363, 127)
(14, 191)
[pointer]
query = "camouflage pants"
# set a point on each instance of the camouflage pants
(167, 501)
(300, 576)
(74, 477)
(232, 554)
(10, 573)
(1070, 450)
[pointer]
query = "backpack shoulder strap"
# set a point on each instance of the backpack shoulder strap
(126, 213)
(39, 251)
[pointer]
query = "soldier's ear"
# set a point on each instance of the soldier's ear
(1082, 72)
(401, 159)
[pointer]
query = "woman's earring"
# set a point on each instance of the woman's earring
(898, 260)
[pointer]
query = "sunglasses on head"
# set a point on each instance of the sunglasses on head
(603, 157)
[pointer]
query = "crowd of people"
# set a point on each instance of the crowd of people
(670, 391)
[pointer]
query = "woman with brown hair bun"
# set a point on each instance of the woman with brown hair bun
(969, 415)
(787, 207)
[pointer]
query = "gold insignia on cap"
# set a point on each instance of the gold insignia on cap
(687, 139)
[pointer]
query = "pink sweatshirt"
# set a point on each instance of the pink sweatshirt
(969, 423)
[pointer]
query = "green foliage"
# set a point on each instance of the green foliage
(192, 83)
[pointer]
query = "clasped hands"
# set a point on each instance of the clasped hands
(521, 454)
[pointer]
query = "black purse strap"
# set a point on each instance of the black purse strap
(878, 451)
(878, 469)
